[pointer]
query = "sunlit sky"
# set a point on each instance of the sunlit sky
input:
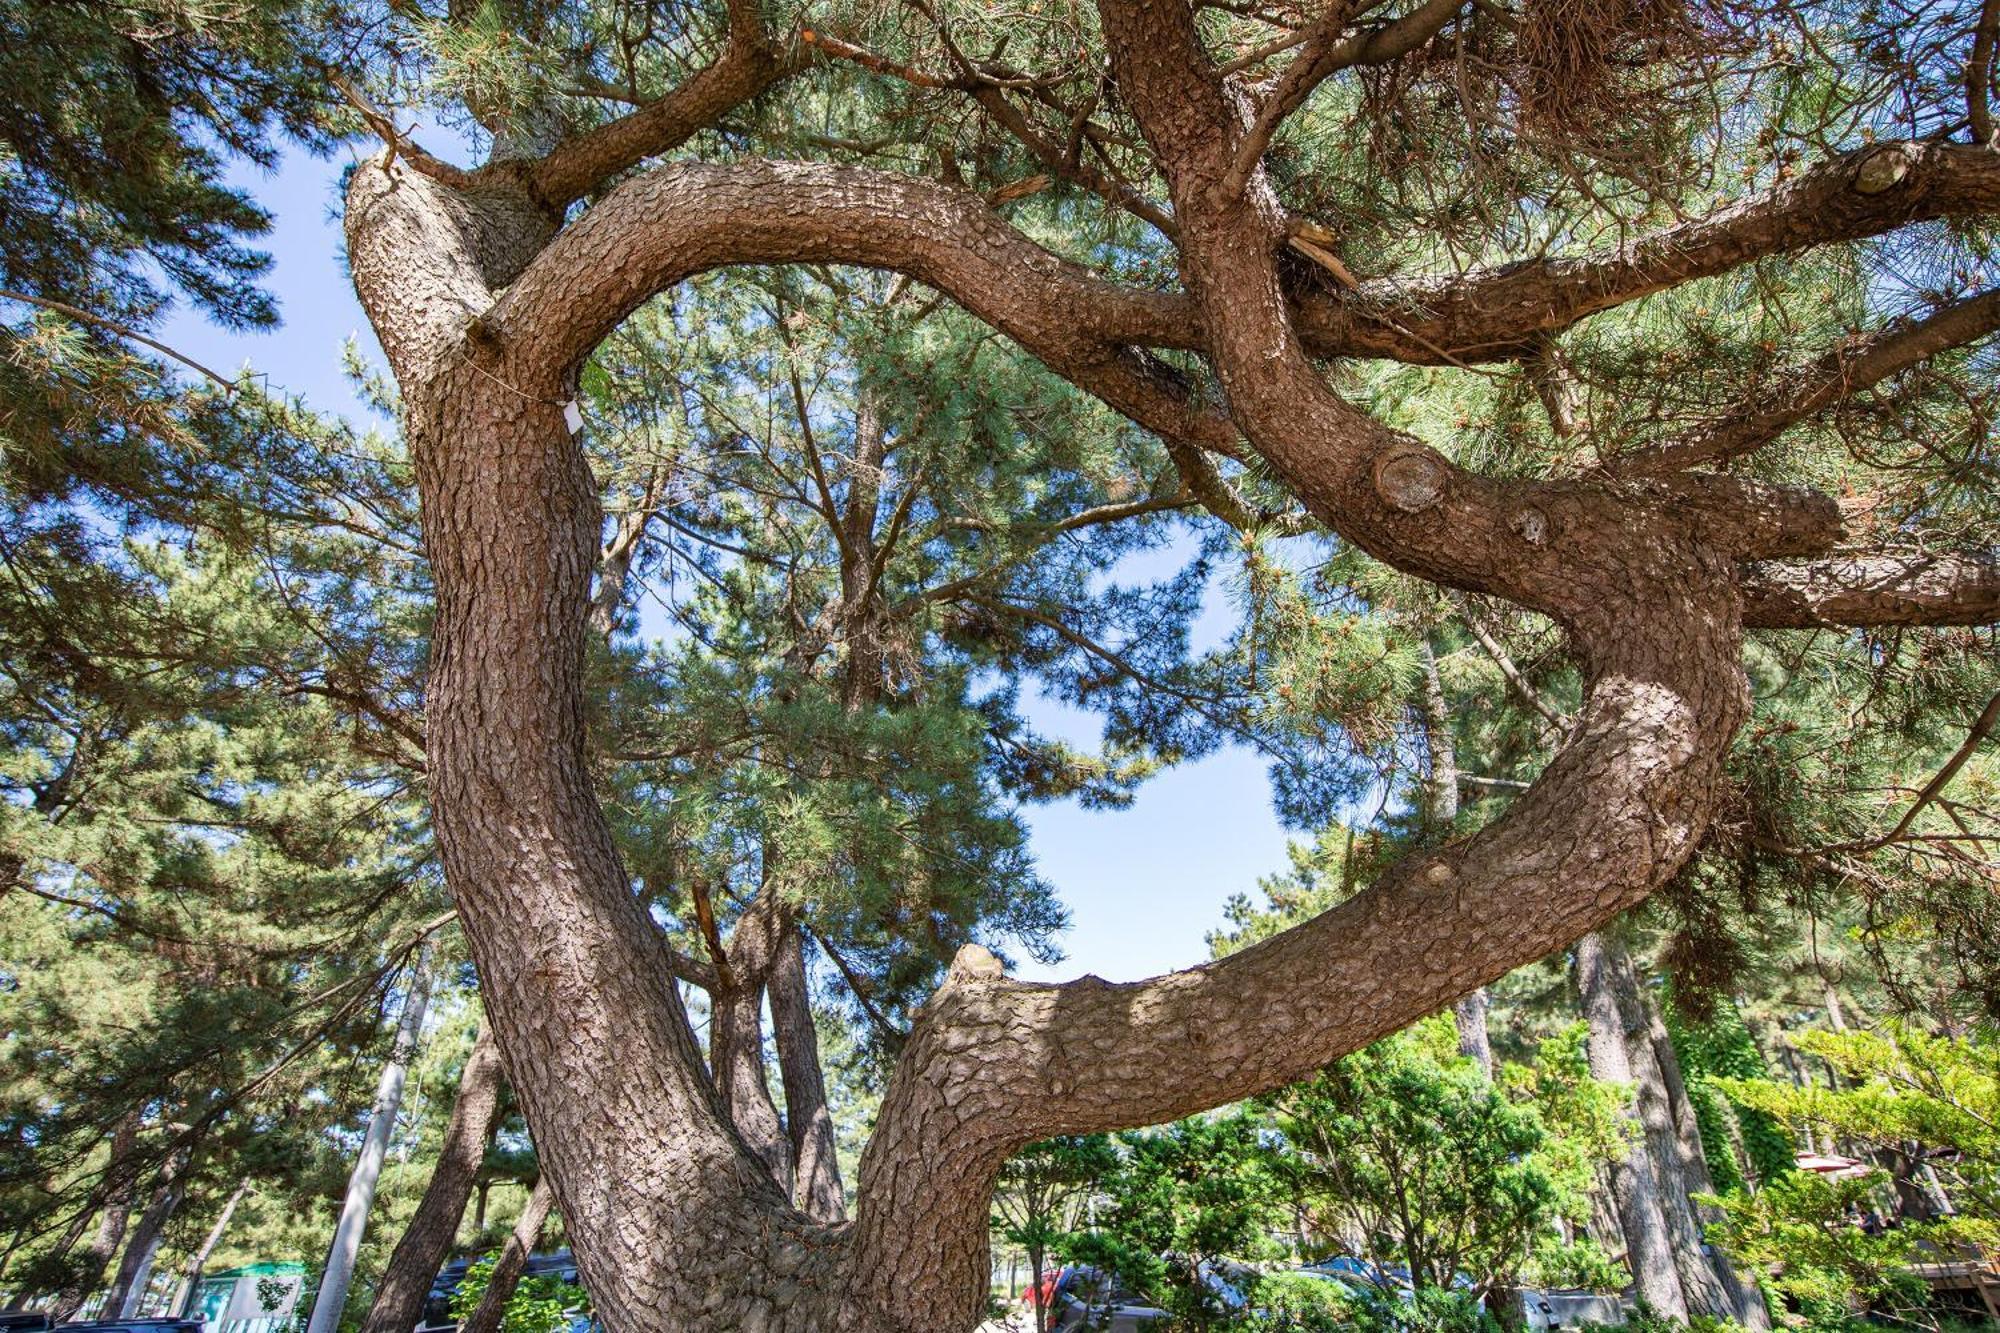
(1143, 885)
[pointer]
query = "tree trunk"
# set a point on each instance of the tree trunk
(1708, 1280)
(736, 1035)
(121, 1173)
(135, 1269)
(191, 1284)
(1752, 1312)
(1649, 1246)
(817, 1189)
(512, 1261)
(427, 1241)
(331, 1299)
(486, 305)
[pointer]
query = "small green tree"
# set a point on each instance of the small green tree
(1040, 1192)
(1801, 1231)
(1901, 1087)
(1411, 1150)
(1183, 1199)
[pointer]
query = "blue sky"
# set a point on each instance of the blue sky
(1143, 884)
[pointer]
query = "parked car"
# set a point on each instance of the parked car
(133, 1326)
(437, 1306)
(1545, 1310)
(25, 1321)
(1081, 1299)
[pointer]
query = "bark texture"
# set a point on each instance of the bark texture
(1642, 1217)
(817, 1189)
(487, 301)
(426, 1242)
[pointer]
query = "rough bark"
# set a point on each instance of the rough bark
(1649, 1245)
(135, 1267)
(1913, 589)
(1692, 1161)
(426, 1242)
(512, 1260)
(486, 307)
(1703, 1285)
(122, 1181)
(817, 1189)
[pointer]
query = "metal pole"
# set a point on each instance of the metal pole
(332, 1296)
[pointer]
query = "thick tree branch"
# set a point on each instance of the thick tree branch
(1919, 589)
(1322, 58)
(1494, 313)
(1482, 315)
(749, 64)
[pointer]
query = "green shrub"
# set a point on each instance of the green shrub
(538, 1305)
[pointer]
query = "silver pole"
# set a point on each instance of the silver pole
(332, 1296)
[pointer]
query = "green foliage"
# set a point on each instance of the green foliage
(1901, 1087)
(1717, 1053)
(1411, 1146)
(1800, 1229)
(1300, 1303)
(1182, 1199)
(537, 1305)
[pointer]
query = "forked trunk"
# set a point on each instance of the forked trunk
(512, 1261)
(677, 1225)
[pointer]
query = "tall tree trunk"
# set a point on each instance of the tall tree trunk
(121, 1173)
(736, 1034)
(512, 1261)
(817, 1189)
(198, 1261)
(331, 1299)
(1708, 1279)
(1752, 1312)
(1649, 1246)
(427, 1240)
(135, 1269)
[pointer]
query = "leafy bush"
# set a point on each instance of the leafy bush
(1297, 1303)
(1799, 1229)
(538, 1305)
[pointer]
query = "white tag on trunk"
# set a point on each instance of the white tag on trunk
(572, 416)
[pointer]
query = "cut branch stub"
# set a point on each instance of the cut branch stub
(1410, 477)
(1885, 168)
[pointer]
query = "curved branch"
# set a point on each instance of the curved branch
(1495, 313)
(1832, 378)
(1482, 315)
(1946, 589)
(749, 64)
(687, 218)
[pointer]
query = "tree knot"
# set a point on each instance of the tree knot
(1884, 168)
(975, 962)
(1411, 477)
